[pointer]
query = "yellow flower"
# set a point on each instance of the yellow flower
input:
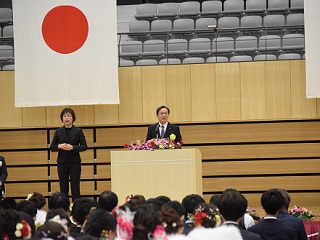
(161, 147)
(172, 137)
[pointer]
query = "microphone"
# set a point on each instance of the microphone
(157, 131)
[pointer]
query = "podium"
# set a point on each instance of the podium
(171, 172)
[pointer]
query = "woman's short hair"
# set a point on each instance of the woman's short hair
(68, 110)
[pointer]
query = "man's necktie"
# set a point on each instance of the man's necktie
(162, 132)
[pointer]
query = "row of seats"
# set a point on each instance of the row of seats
(193, 8)
(216, 59)
(9, 67)
(188, 24)
(6, 53)
(6, 31)
(217, 45)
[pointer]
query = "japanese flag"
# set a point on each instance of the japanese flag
(65, 52)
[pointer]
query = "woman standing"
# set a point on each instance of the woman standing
(69, 141)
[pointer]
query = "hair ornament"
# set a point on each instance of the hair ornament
(62, 222)
(128, 198)
(23, 229)
(30, 195)
(158, 234)
(125, 224)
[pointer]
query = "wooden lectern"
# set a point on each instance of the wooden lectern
(172, 172)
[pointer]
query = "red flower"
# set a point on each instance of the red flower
(199, 216)
(126, 146)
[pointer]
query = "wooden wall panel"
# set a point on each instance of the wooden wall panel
(23, 189)
(34, 116)
(104, 171)
(10, 116)
(106, 185)
(130, 110)
(179, 92)
(278, 93)
(104, 155)
(154, 91)
(253, 91)
(25, 157)
(301, 106)
(262, 183)
(27, 174)
(233, 168)
(106, 114)
(228, 91)
(203, 92)
(23, 139)
(192, 134)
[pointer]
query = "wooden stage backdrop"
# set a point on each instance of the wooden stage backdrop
(251, 121)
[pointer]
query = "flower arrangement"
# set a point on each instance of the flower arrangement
(301, 213)
(252, 212)
(153, 144)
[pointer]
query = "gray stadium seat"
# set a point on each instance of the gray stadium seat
(233, 7)
(153, 47)
(269, 43)
(9, 67)
(199, 46)
(192, 60)
(161, 25)
(288, 56)
(251, 22)
(241, 58)
(146, 10)
(189, 8)
(6, 15)
(222, 45)
(293, 41)
(217, 59)
(146, 62)
(278, 5)
(256, 6)
(274, 20)
(228, 22)
(246, 44)
(131, 49)
(265, 57)
(169, 61)
(203, 23)
(125, 62)
(296, 5)
(169, 9)
(177, 46)
(139, 27)
(7, 31)
(211, 8)
(183, 24)
(295, 19)
(6, 52)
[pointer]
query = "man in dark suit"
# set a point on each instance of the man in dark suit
(232, 206)
(163, 129)
(270, 228)
(285, 218)
(69, 141)
(3, 175)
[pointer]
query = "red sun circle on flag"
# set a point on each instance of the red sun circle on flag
(65, 29)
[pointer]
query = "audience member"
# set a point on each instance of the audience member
(101, 224)
(8, 203)
(232, 207)
(52, 230)
(39, 200)
(27, 207)
(289, 220)
(80, 211)
(3, 175)
(8, 221)
(108, 200)
(190, 202)
(61, 216)
(270, 228)
(178, 207)
(59, 200)
(27, 218)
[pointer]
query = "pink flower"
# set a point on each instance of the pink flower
(159, 233)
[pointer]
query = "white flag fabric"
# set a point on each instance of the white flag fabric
(312, 36)
(65, 52)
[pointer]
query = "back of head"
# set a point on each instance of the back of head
(27, 207)
(8, 203)
(145, 222)
(190, 203)
(205, 216)
(81, 208)
(59, 200)
(100, 222)
(286, 200)
(215, 200)
(272, 201)
(108, 200)
(63, 215)
(8, 221)
(52, 230)
(233, 205)
(177, 206)
(38, 199)
(171, 220)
